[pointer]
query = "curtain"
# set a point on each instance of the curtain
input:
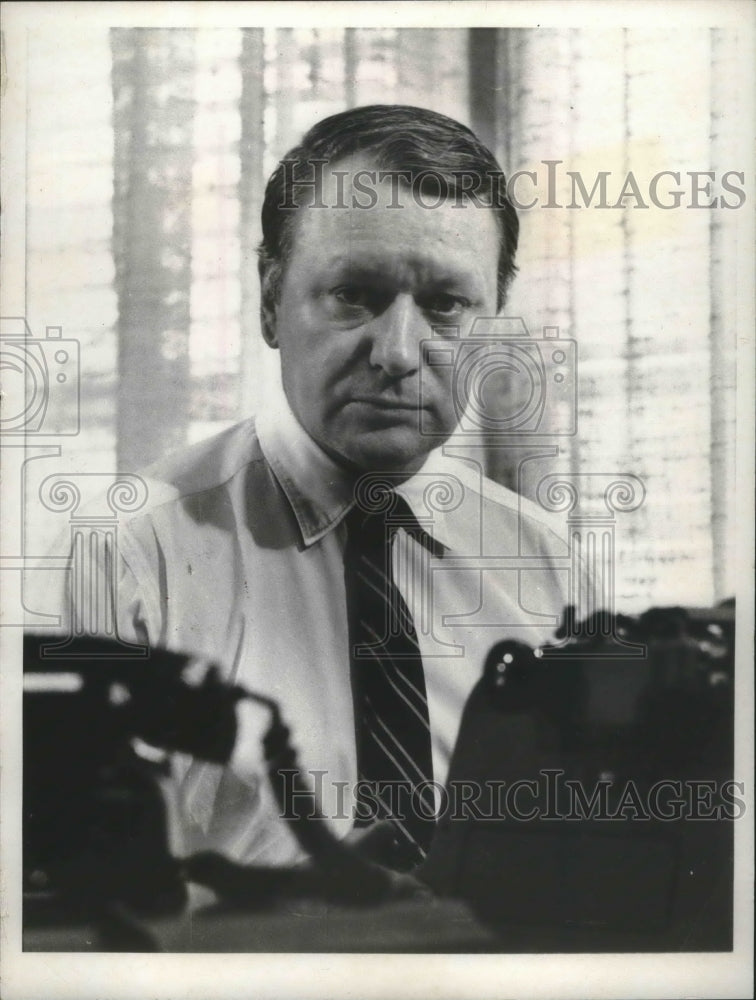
(153, 116)
(644, 292)
(157, 216)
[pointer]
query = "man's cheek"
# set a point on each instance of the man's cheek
(443, 415)
(443, 390)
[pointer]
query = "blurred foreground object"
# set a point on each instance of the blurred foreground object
(589, 805)
(98, 730)
(604, 818)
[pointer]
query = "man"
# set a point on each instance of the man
(386, 233)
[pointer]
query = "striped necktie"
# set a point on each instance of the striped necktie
(391, 709)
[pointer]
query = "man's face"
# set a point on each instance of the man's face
(362, 289)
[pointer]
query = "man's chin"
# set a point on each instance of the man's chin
(393, 452)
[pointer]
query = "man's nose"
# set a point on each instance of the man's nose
(397, 336)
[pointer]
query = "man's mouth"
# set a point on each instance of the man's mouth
(383, 403)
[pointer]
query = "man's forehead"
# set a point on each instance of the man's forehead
(357, 195)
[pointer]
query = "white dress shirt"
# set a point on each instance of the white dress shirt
(238, 557)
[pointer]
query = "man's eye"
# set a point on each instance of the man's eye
(353, 295)
(445, 305)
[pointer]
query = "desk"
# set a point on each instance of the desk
(428, 925)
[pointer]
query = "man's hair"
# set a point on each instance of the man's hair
(438, 152)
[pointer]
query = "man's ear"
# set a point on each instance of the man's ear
(270, 276)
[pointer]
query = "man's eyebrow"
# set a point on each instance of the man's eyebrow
(433, 273)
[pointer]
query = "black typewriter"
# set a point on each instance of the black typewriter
(589, 806)
(603, 764)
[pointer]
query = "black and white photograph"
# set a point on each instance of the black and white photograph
(377, 499)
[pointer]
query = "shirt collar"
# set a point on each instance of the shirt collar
(320, 491)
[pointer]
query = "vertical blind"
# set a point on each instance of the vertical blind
(644, 291)
(143, 216)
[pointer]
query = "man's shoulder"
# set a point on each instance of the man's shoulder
(505, 498)
(501, 504)
(203, 467)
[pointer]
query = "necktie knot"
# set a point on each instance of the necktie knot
(377, 521)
